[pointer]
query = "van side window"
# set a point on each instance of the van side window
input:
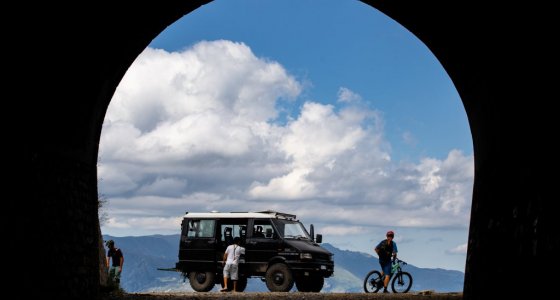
(228, 235)
(263, 229)
(232, 229)
(201, 228)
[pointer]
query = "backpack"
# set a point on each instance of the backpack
(385, 250)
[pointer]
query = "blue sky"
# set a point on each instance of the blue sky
(326, 109)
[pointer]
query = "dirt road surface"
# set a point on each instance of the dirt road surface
(427, 295)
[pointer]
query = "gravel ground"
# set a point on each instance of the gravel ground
(283, 296)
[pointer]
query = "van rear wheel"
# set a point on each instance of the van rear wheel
(241, 283)
(279, 278)
(202, 281)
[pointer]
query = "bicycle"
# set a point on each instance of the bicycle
(400, 281)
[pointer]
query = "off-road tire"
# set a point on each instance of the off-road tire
(202, 281)
(279, 278)
(370, 285)
(406, 283)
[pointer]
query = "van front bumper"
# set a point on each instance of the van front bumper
(325, 268)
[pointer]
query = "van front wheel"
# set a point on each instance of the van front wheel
(201, 281)
(279, 278)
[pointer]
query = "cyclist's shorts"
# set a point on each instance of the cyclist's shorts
(386, 267)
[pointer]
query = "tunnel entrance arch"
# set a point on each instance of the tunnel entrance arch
(188, 83)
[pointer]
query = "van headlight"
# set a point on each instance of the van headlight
(305, 256)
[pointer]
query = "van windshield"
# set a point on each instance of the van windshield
(290, 229)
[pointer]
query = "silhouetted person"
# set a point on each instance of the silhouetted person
(115, 270)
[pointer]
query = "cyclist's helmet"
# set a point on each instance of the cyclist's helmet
(390, 233)
(110, 243)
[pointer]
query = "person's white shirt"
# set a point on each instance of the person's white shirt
(233, 253)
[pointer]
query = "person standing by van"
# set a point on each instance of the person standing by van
(231, 263)
(386, 251)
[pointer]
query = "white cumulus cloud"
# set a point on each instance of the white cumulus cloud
(199, 130)
(461, 249)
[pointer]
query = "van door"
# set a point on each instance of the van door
(261, 245)
(200, 249)
(228, 229)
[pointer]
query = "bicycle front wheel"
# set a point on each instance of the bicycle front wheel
(402, 282)
(373, 282)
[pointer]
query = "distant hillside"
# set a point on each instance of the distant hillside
(145, 254)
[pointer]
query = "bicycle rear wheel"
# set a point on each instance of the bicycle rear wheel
(402, 282)
(373, 282)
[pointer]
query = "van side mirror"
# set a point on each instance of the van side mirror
(268, 233)
(319, 238)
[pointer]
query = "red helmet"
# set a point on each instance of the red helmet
(390, 233)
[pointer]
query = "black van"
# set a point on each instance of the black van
(278, 249)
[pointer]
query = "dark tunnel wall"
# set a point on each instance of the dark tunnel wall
(65, 61)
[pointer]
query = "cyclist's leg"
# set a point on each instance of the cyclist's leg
(386, 272)
(386, 281)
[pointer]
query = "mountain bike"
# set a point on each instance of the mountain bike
(400, 281)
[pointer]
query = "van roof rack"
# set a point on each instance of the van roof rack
(279, 214)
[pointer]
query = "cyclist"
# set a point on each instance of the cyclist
(386, 251)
